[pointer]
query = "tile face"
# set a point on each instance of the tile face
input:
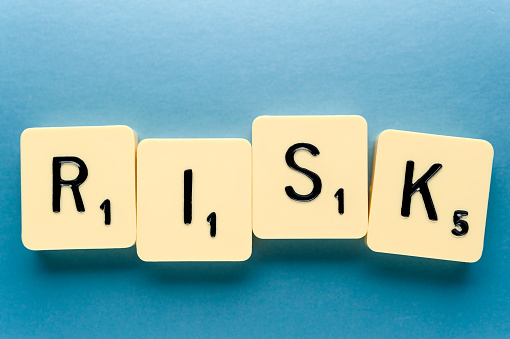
(78, 187)
(310, 177)
(429, 195)
(194, 200)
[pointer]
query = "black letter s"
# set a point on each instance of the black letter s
(316, 180)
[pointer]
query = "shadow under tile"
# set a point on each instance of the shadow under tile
(88, 260)
(206, 273)
(327, 250)
(417, 270)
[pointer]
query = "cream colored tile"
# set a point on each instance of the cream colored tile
(461, 182)
(49, 164)
(211, 178)
(333, 149)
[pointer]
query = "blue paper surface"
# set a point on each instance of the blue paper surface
(207, 69)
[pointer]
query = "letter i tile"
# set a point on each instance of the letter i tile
(194, 200)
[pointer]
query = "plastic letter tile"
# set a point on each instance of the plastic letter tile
(194, 200)
(78, 187)
(310, 177)
(429, 195)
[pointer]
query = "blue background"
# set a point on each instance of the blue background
(207, 69)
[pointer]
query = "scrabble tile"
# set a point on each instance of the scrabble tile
(310, 177)
(78, 187)
(429, 195)
(194, 200)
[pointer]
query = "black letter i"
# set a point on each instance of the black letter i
(188, 185)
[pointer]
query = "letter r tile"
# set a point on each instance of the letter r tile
(310, 177)
(78, 187)
(429, 195)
